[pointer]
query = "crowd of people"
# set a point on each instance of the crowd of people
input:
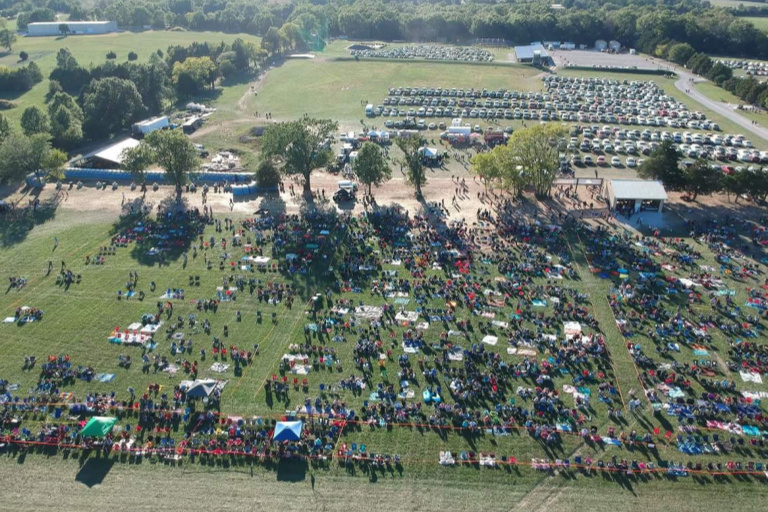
(483, 325)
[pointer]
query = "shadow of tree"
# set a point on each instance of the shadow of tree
(163, 239)
(15, 224)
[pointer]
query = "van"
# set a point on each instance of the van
(349, 186)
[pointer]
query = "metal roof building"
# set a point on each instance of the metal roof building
(637, 195)
(109, 157)
(525, 53)
(51, 28)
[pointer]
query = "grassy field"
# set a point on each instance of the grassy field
(736, 3)
(93, 49)
(78, 321)
(759, 22)
(335, 89)
(66, 485)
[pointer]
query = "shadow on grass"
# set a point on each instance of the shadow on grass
(289, 470)
(16, 224)
(161, 240)
(94, 471)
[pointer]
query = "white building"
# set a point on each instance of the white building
(108, 157)
(637, 195)
(51, 28)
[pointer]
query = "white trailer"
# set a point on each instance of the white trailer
(149, 125)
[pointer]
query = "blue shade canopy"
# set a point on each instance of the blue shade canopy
(288, 431)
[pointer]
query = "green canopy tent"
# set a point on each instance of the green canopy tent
(98, 426)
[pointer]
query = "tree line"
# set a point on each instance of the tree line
(641, 24)
(98, 101)
(95, 102)
(701, 177)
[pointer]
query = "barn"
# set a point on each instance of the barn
(108, 157)
(53, 28)
(532, 52)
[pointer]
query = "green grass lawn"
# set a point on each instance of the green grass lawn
(716, 93)
(759, 22)
(79, 319)
(736, 3)
(335, 89)
(92, 50)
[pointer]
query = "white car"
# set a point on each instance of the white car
(615, 162)
(631, 162)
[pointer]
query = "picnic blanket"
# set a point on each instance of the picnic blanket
(150, 329)
(572, 328)
(490, 340)
(370, 312)
(407, 316)
(751, 377)
(521, 351)
(219, 367)
(410, 349)
(173, 294)
(128, 338)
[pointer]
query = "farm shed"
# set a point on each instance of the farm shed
(640, 195)
(51, 28)
(108, 157)
(526, 53)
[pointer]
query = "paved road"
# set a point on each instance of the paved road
(724, 109)
(684, 85)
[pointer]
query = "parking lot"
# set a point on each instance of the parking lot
(588, 58)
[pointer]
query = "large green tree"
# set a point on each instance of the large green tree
(7, 36)
(21, 155)
(171, 150)
(536, 150)
(5, 128)
(415, 172)
(703, 179)
(371, 167)
(193, 75)
(663, 165)
(272, 41)
(302, 145)
(66, 120)
(34, 120)
(499, 166)
(110, 105)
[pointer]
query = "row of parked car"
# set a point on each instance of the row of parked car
(427, 52)
(582, 100)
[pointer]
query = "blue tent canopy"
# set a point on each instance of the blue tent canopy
(287, 431)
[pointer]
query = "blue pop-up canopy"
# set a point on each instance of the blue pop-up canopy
(288, 431)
